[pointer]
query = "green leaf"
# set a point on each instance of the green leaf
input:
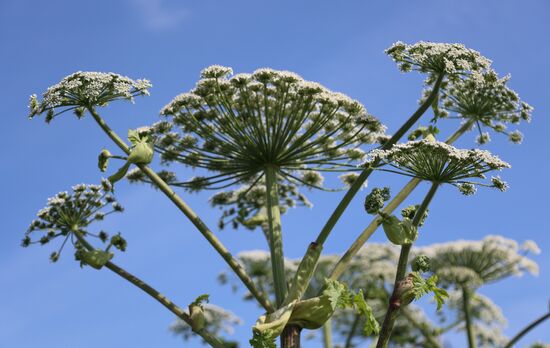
(363, 308)
(103, 159)
(204, 298)
(133, 136)
(120, 173)
(337, 293)
(263, 339)
(423, 286)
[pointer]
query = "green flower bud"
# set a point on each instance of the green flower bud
(103, 159)
(314, 312)
(141, 153)
(95, 258)
(421, 263)
(376, 198)
(399, 232)
(409, 212)
(404, 292)
(196, 315)
(274, 323)
(118, 242)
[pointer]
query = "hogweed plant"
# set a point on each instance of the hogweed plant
(372, 271)
(259, 139)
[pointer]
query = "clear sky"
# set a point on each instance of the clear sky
(339, 44)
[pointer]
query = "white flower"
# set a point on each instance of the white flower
(84, 90)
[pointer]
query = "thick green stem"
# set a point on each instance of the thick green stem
(275, 234)
(395, 302)
(345, 260)
(171, 306)
(191, 215)
(327, 334)
(526, 330)
(468, 317)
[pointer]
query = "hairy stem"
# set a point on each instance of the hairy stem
(468, 317)
(275, 234)
(290, 338)
(526, 330)
(191, 215)
(344, 261)
(395, 302)
(171, 306)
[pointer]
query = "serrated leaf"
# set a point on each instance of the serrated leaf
(204, 298)
(262, 340)
(363, 308)
(423, 286)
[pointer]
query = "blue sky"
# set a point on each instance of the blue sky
(339, 44)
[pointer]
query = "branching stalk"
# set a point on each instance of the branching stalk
(190, 214)
(395, 302)
(327, 334)
(323, 235)
(358, 183)
(528, 328)
(171, 306)
(468, 317)
(344, 261)
(275, 234)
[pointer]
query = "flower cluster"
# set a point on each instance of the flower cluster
(237, 125)
(68, 215)
(437, 58)
(487, 100)
(83, 90)
(246, 205)
(473, 263)
(440, 163)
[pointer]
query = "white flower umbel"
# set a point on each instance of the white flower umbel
(452, 60)
(246, 205)
(487, 101)
(270, 125)
(235, 126)
(67, 214)
(439, 163)
(474, 263)
(83, 90)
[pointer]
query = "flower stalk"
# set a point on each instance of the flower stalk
(466, 293)
(395, 302)
(528, 328)
(189, 213)
(212, 340)
(275, 234)
(327, 334)
(358, 183)
(344, 261)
